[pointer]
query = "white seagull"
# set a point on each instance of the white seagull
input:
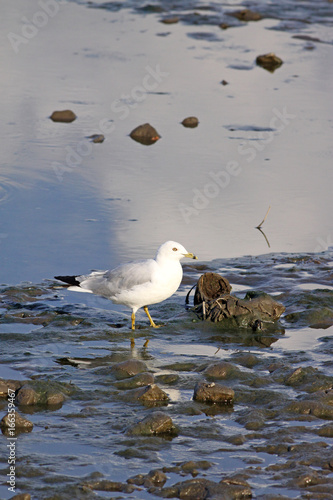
(139, 283)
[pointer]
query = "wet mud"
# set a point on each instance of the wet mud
(202, 411)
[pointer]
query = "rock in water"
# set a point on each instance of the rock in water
(65, 116)
(145, 134)
(269, 61)
(16, 422)
(213, 393)
(246, 15)
(154, 424)
(190, 122)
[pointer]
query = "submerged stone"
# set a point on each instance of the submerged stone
(156, 423)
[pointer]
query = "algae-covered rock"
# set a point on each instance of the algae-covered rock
(221, 370)
(129, 368)
(213, 302)
(149, 394)
(139, 380)
(202, 488)
(43, 393)
(157, 423)
(310, 407)
(213, 393)
(107, 485)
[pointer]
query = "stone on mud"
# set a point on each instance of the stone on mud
(213, 393)
(145, 134)
(157, 423)
(65, 116)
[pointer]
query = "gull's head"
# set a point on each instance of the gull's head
(173, 250)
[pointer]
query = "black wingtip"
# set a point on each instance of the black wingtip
(70, 280)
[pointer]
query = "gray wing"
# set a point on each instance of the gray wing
(115, 281)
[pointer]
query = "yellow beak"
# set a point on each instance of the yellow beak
(190, 256)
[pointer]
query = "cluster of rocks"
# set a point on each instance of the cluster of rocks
(144, 134)
(31, 393)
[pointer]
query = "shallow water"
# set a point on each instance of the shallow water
(263, 140)
(68, 206)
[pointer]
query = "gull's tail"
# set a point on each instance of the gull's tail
(69, 280)
(73, 283)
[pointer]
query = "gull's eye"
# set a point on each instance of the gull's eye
(175, 249)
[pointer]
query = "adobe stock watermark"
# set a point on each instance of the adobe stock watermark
(11, 446)
(31, 27)
(212, 189)
(221, 180)
(121, 108)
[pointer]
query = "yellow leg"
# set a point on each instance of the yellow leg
(150, 318)
(133, 328)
